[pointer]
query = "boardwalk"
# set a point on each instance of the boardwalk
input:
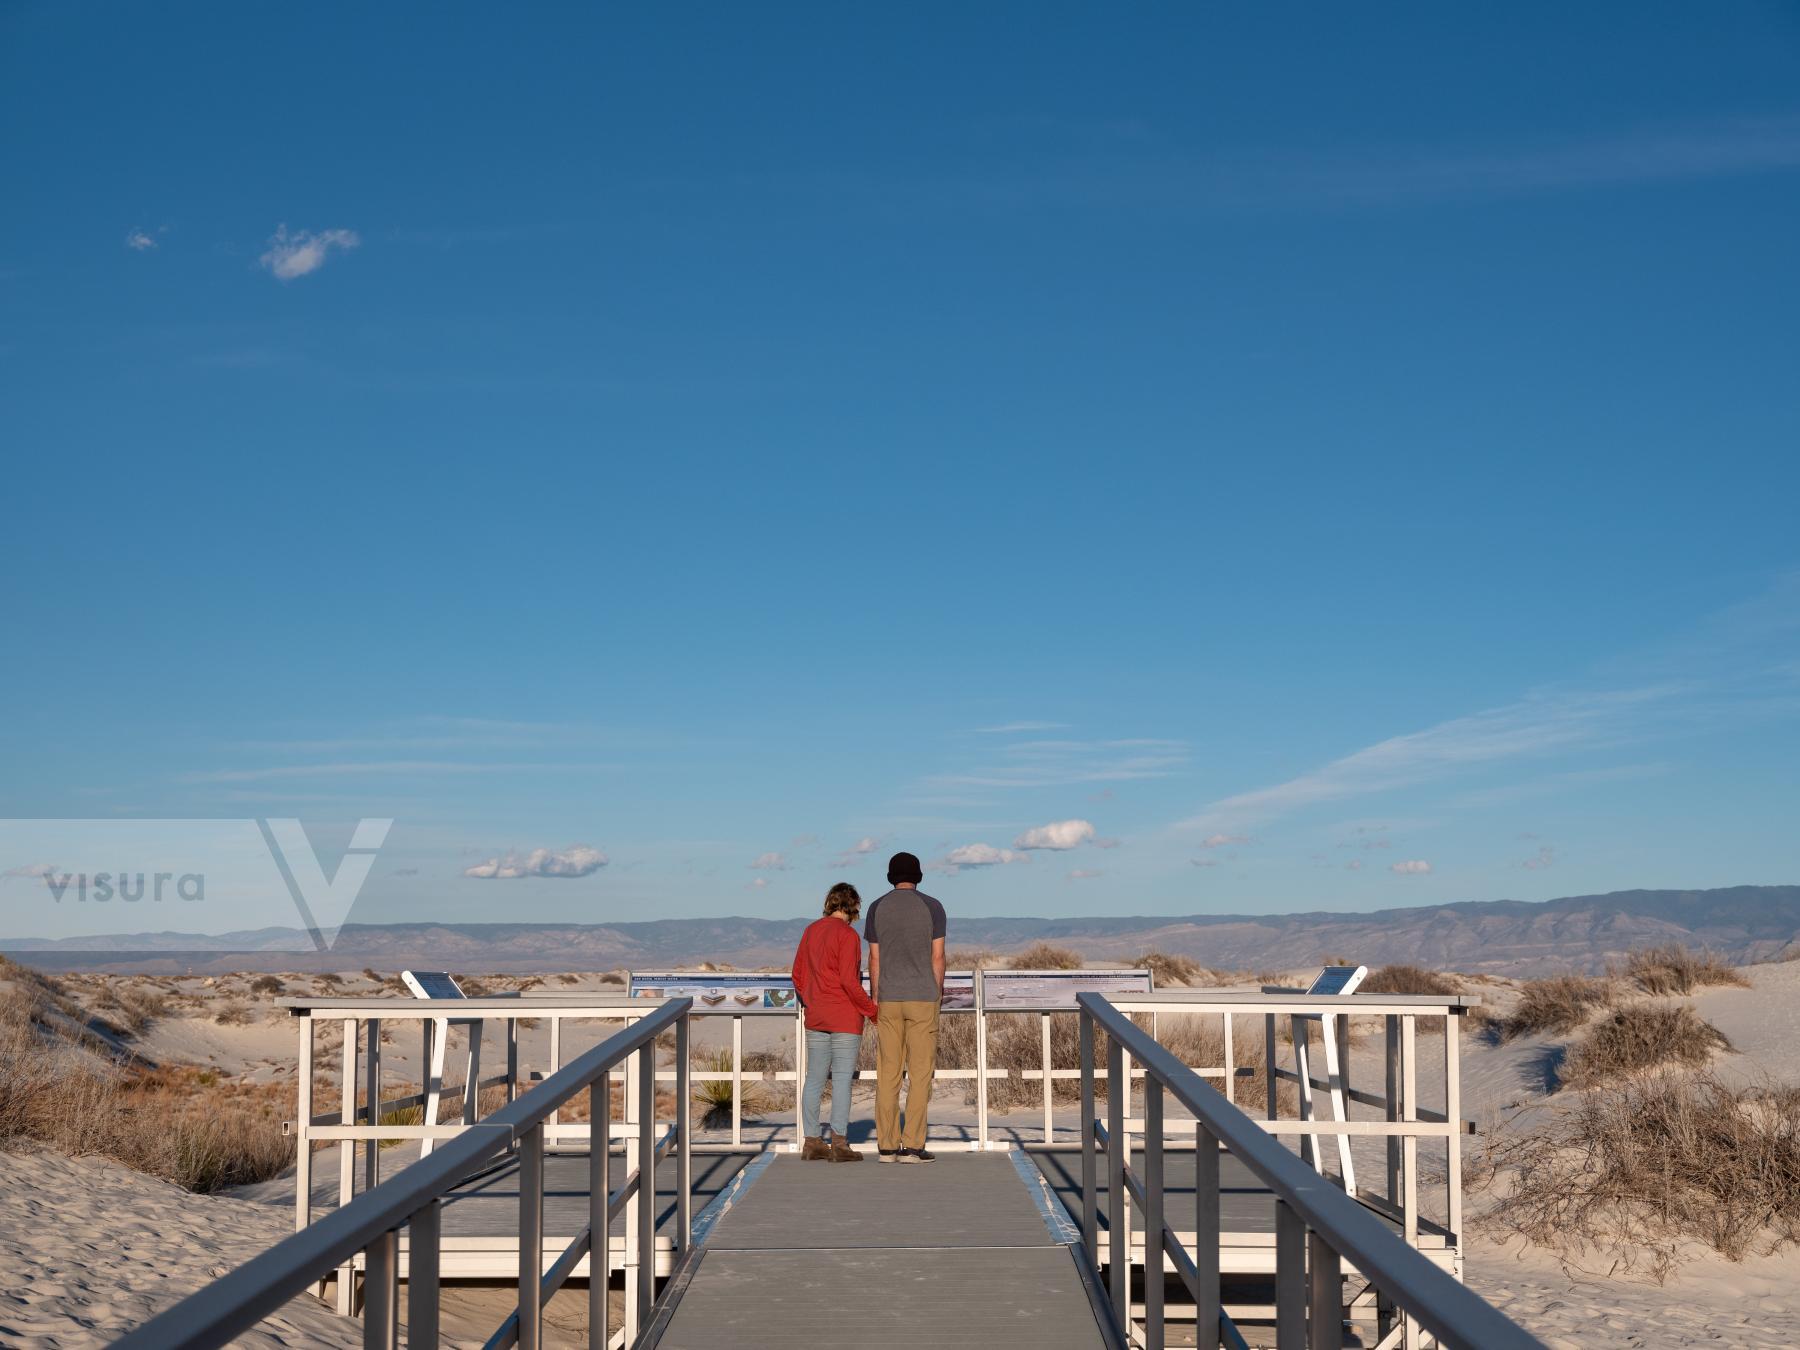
(969, 1250)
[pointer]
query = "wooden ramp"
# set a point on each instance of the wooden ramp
(971, 1250)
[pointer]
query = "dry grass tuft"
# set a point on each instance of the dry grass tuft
(1409, 980)
(1168, 968)
(267, 984)
(1640, 1037)
(232, 1013)
(1676, 970)
(1559, 1004)
(1043, 956)
(185, 1125)
(1632, 1174)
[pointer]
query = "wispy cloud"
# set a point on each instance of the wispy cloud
(1533, 726)
(1083, 874)
(1223, 840)
(1060, 834)
(577, 861)
(1059, 763)
(769, 862)
(1015, 728)
(1412, 867)
(1544, 857)
(1203, 862)
(141, 241)
(351, 768)
(294, 255)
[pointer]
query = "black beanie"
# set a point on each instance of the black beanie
(904, 867)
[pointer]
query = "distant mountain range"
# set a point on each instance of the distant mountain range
(1511, 937)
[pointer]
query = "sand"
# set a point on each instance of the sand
(92, 1248)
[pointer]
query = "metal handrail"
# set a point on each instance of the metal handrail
(1317, 1224)
(413, 1199)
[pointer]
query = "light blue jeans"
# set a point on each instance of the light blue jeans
(831, 1052)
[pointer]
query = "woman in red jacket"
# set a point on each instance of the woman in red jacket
(828, 978)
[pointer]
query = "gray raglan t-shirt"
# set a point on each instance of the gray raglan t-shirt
(903, 924)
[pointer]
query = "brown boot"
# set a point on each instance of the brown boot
(842, 1152)
(815, 1150)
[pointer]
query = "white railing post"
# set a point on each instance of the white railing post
(1089, 1222)
(531, 1238)
(646, 1215)
(737, 1082)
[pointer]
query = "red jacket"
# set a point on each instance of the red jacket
(828, 977)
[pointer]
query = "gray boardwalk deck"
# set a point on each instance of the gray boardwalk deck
(959, 1252)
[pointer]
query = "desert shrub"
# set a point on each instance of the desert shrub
(137, 1008)
(1632, 1173)
(267, 984)
(1409, 980)
(771, 1096)
(232, 1013)
(1558, 1004)
(330, 979)
(1638, 1037)
(1043, 956)
(569, 979)
(472, 987)
(715, 1094)
(1168, 968)
(610, 977)
(1674, 969)
(972, 958)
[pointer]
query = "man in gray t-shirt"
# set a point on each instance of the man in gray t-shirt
(905, 930)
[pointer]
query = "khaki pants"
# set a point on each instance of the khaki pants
(906, 1038)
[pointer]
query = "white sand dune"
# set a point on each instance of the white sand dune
(92, 1248)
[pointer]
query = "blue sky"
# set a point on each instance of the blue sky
(1345, 459)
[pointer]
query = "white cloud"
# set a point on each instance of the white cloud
(31, 871)
(770, 862)
(1412, 867)
(577, 861)
(1223, 840)
(980, 855)
(294, 255)
(860, 849)
(140, 240)
(1013, 728)
(1545, 857)
(1083, 874)
(760, 884)
(1060, 834)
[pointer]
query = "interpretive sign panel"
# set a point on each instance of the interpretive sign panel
(717, 990)
(1033, 990)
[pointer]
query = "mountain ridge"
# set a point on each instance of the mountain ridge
(1514, 937)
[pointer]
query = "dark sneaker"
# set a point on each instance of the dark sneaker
(888, 1154)
(917, 1155)
(815, 1150)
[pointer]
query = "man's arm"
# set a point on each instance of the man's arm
(937, 965)
(875, 971)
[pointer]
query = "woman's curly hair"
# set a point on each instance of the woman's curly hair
(843, 899)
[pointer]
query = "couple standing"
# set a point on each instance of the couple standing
(905, 932)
